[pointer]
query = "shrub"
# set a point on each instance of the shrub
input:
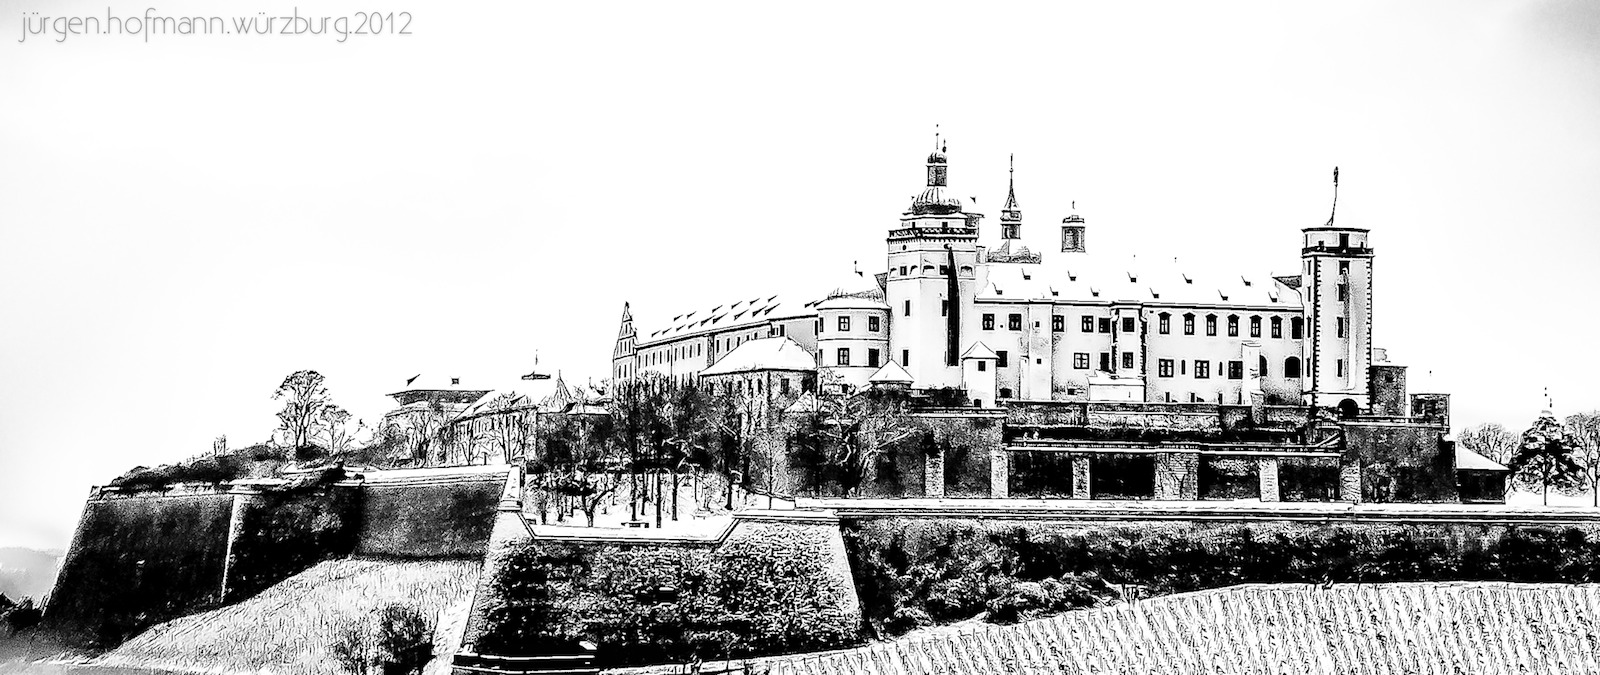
(397, 641)
(21, 616)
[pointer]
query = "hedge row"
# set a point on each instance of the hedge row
(767, 593)
(912, 572)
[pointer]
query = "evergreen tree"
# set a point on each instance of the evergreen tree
(1545, 459)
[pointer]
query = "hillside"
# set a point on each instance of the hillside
(289, 627)
(1377, 629)
(26, 572)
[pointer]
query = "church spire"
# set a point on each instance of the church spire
(1011, 214)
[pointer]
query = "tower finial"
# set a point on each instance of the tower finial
(936, 136)
(1335, 195)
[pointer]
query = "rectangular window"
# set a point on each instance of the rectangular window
(1088, 324)
(908, 308)
(1127, 324)
(944, 308)
(1105, 325)
(783, 385)
(1344, 265)
(874, 324)
(1001, 360)
(872, 358)
(1211, 324)
(1340, 366)
(1255, 326)
(1297, 328)
(1127, 360)
(1058, 323)
(1105, 361)
(1235, 370)
(1080, 360)
(1277, 327)
(1188, 324)
(905, 357)
(1164, 368)
(1014, 322)
(844, 356)
(844, 324)
(1338, 324)
(983, 366)
(1166, 324)
(988, 322)
(1344, 292)
(1233, 326)
(902, 270)
(1202, 370)
(1183, 367)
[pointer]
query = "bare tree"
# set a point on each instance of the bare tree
(333, 425)
(304, 400)
(1585, 430)
(1490, 440)
(855, 429)
(510, 426)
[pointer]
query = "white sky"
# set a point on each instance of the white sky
(185, 221)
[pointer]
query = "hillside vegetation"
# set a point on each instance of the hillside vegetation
(1466, 627)
(294, 626)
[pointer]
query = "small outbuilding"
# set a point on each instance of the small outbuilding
(1479, 480)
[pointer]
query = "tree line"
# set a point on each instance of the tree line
(1550, 455)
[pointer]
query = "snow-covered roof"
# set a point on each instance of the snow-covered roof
(1467, 460)
(890, 373)
(773, 353)
(1079, 277)
(738, 312)
(979, 350)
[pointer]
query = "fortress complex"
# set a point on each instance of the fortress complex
(1013, 327)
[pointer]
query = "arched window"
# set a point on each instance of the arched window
(1255, 326)
(1188, 324)
(1291, 368)
(1211, 324)
(1233, 325)
(1277, 326)
(1166, 322)
(1297, 328)
(1005, 392)
(1262, 372)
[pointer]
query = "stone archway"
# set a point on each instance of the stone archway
(1348, 409)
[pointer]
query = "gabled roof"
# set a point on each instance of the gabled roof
(1467, 460)
(807, 402)
(890, 373)
(773, 353)
(979, 350)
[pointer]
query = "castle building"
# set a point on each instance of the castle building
(1004, 321)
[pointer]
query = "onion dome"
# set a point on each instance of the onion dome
(937, 157)
(936, 199)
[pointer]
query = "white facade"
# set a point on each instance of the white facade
(1063, 323)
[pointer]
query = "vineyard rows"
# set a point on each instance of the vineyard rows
(1383, 629)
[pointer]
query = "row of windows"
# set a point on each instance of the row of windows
(874, 324)
(755, 386)
(1091, 324)
(842, 357)
(943, 269)
(1235, 369)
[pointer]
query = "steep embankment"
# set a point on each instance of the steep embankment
(291, 627)
(1481, 627)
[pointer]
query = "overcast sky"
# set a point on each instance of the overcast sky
(185, 220)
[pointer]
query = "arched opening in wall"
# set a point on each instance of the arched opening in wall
(1005, 392)
(1291, 368)
(1348, 409)
(1261, 368)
